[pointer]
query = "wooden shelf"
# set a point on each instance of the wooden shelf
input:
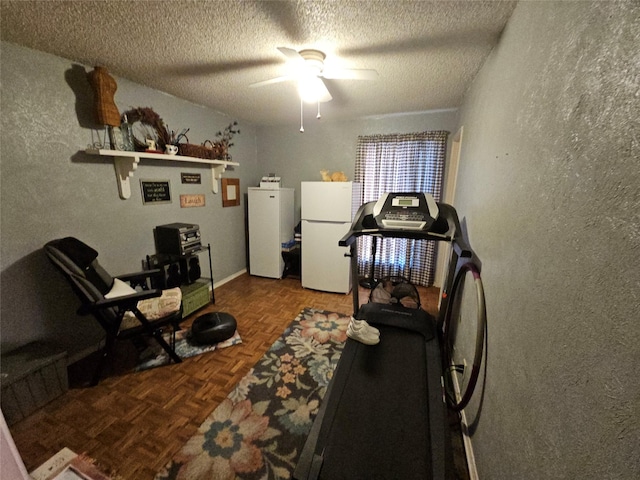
(126, 164)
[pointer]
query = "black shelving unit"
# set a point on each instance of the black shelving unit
(179, 271)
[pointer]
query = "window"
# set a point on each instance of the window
(400, 163)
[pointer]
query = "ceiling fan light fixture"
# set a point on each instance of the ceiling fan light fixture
(307, 69)
(311, 89)
(314, 58)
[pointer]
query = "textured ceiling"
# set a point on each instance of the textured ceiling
(209, 52)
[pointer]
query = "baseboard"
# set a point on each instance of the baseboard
(466, 438)
(468, 447)
(229, 278)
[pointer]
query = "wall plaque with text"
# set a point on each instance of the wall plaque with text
(155, 191)
(195, 178)
(193, 200)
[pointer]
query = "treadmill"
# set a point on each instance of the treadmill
(384, 415)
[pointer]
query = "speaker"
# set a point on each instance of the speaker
(174, 275)
(190, 269)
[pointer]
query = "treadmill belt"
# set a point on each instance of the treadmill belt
(380, 426)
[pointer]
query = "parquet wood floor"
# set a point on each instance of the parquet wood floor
(134, 423)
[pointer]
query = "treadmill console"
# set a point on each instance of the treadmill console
(405, 211)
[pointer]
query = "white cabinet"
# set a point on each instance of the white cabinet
(270, 225)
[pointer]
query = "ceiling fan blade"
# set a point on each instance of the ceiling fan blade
(325, 96)
(349, 74)
(291, 54)
(271, 81)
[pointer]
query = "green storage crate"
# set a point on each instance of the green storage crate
(195, 296)
(32, 376)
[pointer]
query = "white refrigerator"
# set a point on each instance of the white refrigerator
(327, 210)
(271, 223)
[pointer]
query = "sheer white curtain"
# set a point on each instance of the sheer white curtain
(411, 162)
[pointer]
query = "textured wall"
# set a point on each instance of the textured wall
(549, 188)
(51, 189)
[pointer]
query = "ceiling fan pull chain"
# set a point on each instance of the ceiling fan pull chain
(301, 116)
(318, 116)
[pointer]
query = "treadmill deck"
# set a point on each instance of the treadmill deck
(376, 419)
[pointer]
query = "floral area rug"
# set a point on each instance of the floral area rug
(154, 356)
(259, 430)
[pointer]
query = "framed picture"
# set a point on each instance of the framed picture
(230, 192)
(155, 191)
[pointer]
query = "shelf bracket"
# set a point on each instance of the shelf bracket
(125, 166)
(216, 174)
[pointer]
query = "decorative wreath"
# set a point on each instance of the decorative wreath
(147, 124)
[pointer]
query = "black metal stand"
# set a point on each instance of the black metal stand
(181, 262)
(371, 281)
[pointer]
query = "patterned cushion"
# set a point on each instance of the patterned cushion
(155, 308)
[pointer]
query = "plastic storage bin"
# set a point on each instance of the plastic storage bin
(195, 296)
(31, 376)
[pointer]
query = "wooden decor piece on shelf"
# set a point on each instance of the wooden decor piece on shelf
(230, 192)
(104, 88)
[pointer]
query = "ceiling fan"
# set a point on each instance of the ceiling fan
(309, 71)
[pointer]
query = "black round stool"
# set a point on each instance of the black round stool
(213, 327)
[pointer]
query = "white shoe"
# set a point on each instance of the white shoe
(363, 333)
(360, 324)
(363, 337)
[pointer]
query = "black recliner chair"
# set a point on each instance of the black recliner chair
(125, 306)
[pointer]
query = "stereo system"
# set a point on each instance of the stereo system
(177, 238)
(176, 244)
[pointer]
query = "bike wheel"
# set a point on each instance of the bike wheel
(461, 342)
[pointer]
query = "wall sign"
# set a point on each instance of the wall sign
(155, 191)
(192, 200)
(191, 177)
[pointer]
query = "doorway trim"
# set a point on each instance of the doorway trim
(450, 182)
